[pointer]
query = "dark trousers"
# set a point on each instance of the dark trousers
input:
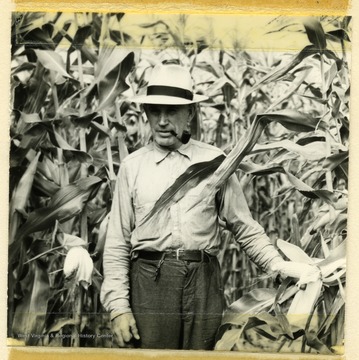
(181, 308)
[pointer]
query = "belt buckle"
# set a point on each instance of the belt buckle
(178, 254)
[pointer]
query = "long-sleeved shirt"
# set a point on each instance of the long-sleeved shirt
(143, 177)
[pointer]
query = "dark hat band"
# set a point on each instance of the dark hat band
(169, 91)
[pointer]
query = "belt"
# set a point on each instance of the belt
(184, 255)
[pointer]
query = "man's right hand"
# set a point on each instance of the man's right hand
(124, 327)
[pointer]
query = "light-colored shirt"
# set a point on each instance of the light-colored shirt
(143, 178)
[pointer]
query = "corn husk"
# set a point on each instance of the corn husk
(79, 263)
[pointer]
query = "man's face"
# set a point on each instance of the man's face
(164, 118)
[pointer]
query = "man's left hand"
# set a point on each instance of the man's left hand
(306, 273)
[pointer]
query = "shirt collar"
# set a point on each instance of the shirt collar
(160, 153)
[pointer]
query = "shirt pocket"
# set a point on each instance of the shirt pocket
(150, 229)
(199, 218)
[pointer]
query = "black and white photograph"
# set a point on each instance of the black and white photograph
(179, 181)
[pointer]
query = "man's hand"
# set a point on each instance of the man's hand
(306, 273)
(124, 327)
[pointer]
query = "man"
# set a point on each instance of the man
(162, 283)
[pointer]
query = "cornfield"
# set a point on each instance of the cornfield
(283, 117)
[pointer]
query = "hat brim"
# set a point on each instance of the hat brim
(167, 100)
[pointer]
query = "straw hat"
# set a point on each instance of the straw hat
(169, 85)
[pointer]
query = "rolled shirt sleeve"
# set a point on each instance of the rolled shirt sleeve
(248, 233)
(116, 258)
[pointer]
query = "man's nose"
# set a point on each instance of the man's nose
(163, 118)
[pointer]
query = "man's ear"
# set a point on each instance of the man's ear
(191, 112)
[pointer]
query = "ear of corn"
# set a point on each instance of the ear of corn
(78, 263)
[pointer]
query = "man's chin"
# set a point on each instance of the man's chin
(167, 142)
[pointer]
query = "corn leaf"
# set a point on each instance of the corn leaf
(294, 253)
(303, 304)
(282, 71)
(189, 179)
(325, 247)
(109, 59)
(227, 87)
(313, 151)
(272, 168)
(295, 236)
(46, 187)
(321, 221)
(52, 61)
(338, 253)
(313, 341)
(334, 262)
(81, 35)
(284, 292)
(290, 91)
(39, 37)
(210, 67)
(21, 195)
(96, 215)
(290, 119)
(77, 43)
(122, 148)
(69, 151)
(331, 55)
(26, 21)
(112, 69)
(336, 305)
(335, 160)
(101, 129)
(102, 235)
(248, 305)
(228, 340)
(266, 325)
(282, 319)
(315, 33)
(22, 192)
(59, 324)
(113, 84)
(337, 35)
(31, 312)
(65, 204)
(338, 275)
(329, 76)
(39, 250)
(86, 120)
(49, 170)
(68, 241)
(30, 118)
